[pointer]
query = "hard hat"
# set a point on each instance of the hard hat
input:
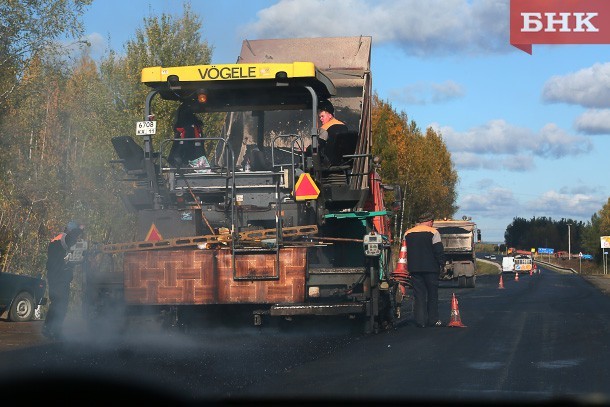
(72, 225)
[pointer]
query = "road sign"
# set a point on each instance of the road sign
(545, 250)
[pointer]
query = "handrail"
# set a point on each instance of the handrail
(295, 140)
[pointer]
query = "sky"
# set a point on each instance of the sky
(528, 134)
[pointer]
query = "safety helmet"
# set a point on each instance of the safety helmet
(72, 225)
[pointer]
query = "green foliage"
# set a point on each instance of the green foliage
(488, 248)
(56, 133)
(164, 41)
(597, 227)
(522, 234)
(486, 268)
(419, 163)
(604, 219)
(591, 243)
(29, 28)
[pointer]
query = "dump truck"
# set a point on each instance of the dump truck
(458, 237)
(253, 219)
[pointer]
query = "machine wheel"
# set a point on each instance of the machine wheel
(470, 281)
(462, 281)
(22, 308)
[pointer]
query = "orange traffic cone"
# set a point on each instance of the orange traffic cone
(516, 276)
(401, 274)
(501, 284)
(455, 314)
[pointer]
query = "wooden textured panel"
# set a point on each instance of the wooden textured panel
(191, 276)
(255, 265)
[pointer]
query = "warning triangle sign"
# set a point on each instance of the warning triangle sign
(153, 234)
(306, 188)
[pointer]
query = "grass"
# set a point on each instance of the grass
(580, 266)
(486, 268)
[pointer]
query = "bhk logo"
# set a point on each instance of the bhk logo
(559, 22)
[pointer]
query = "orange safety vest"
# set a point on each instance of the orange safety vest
(62, 238)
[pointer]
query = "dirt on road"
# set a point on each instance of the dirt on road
(15, 335)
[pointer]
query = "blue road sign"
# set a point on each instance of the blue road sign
(545, 250)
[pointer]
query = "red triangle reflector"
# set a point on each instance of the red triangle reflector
(306, 188)
(153, 234)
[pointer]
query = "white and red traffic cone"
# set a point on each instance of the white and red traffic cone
(456, 320)
(401, 273)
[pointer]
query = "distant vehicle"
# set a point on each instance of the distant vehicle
(561, 255)
(508, 264)
(492, 257)
(20, 296)
(487, 256)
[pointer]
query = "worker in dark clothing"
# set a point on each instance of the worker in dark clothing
(186, 126)
(329, 131)
(331, 126)
(425, 259)
(59, 277)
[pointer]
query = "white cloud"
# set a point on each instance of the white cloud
(581, 188)
(595, 121)
(493, 202)
(566, 205)
(519, 163)
(448, 90)
(422, 28)
(492, 205)
(589, 87)
(471, 161)
(499, 145)
(421, 93)
(552, 141)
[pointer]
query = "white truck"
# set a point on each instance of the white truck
(508, 264)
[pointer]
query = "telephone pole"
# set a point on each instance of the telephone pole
(569, 243)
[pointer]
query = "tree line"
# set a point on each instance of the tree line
(59, 109)
(562, 235)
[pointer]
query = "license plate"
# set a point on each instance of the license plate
(145, 128)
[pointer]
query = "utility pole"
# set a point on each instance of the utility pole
(569, 243)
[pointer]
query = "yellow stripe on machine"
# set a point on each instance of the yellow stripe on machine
(228, 72)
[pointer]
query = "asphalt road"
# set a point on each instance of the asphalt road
(544, 338)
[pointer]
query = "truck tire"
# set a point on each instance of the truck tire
(461, 281)
(470, 281)
(22, 308)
